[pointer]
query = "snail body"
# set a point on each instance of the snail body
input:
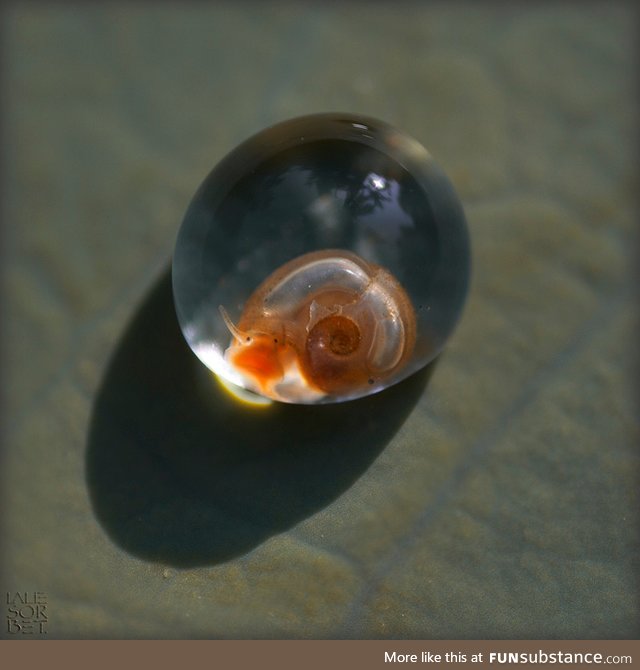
(327, 323)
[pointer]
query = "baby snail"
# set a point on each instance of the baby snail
(327, 323)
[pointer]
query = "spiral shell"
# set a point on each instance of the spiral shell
(326, 323)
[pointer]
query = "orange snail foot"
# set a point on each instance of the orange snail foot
(260, 362)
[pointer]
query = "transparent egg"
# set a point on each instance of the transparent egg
(324, 259)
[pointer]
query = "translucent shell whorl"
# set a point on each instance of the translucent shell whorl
(325, 323)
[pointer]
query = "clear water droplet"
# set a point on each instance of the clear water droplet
(326, 181)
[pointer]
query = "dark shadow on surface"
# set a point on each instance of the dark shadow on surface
(180, 473)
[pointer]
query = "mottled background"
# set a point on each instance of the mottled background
(494, 496)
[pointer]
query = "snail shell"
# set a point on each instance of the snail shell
(327, 323)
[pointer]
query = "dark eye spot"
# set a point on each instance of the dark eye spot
(275, 339)
(248, 338)
(371, 381)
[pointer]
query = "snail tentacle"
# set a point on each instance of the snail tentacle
(239, 335)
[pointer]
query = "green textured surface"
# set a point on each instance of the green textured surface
(496, 498)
